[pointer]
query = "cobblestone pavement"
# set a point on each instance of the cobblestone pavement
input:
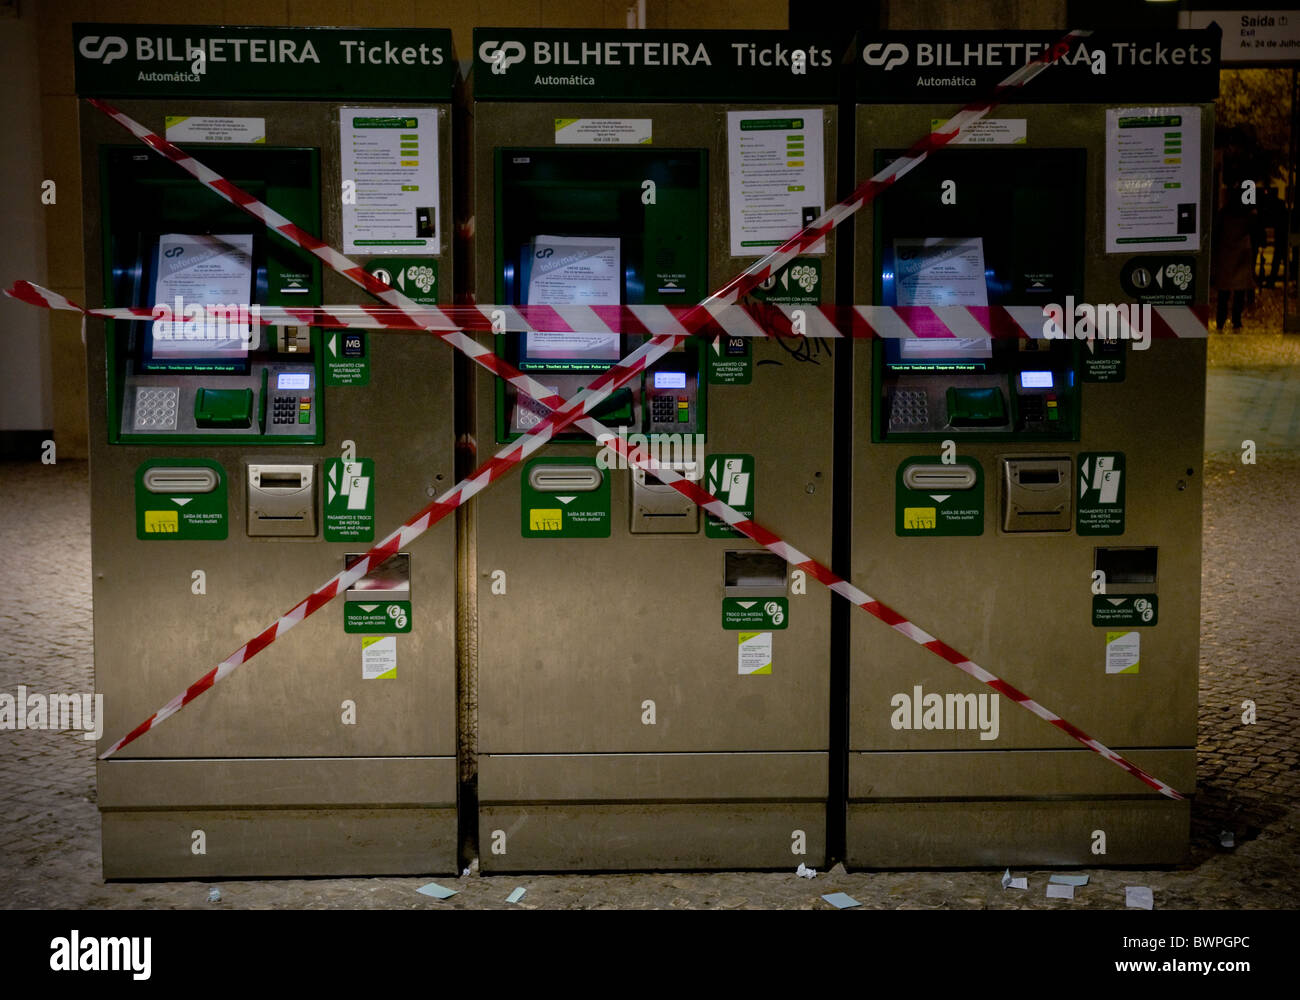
(1247, 776)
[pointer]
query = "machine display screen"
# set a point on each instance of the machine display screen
(670, 380)
(967, 253)
(1035, 380)
(293, 380)
(565, 350)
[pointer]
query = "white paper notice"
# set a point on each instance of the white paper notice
(575, 271)
(208, 271)
(391, 156)
(940, 271)
(1139, 897)
(378, 657)
(1060, 891)
(987, 131)
(1153, 178)
(603, 131)
(195, 128)
(1122, 652)
(776, 170)
(755, 652)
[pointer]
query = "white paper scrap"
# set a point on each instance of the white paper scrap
(1138, 897)
(1055, 891)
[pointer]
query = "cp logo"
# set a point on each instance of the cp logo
(893, 54)
(502, 55)
(174, 252)
(109, 48)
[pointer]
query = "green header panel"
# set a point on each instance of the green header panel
(212, 61)
(516, 64)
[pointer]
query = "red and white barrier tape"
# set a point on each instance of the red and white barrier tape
(858, 322)
(630, 366)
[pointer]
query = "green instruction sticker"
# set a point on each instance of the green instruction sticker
(414, 277)
(564, 511)
(349, 500)
(730, 478)
(755, 612)
(1136, 610)
(384, 617)
(940, 511)
(1100, 510)
(347, 358)
(798, 283)
(1104, 360)
(730, 361)
(180, 499)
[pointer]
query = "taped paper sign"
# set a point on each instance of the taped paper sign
(379, 657)
(603, 131)
(203, 128)
(1122, 652)
(755, 652)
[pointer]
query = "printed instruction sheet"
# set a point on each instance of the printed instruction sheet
(776, 170)
(1153, 179)
(391, 157)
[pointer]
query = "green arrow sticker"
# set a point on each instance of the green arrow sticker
(577, 513)
(184, 513)
(755, 613)
(382, 617)
(1134, 610)
(347, 358)
(414, 277)
(730, 478)
(1100, 510)
(935, 512)
(349, 500)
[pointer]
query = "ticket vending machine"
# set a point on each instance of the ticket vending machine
(652, 690)
(236, 467)
(1034, 503)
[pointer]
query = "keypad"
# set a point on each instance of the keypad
(284, 409)
(663, 409)
(156, 407)
(909, 408)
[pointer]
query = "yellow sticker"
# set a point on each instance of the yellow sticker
(545, 518)
(920, 518)
(161, 522)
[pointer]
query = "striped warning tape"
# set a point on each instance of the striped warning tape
(736, 320)
(568, 413)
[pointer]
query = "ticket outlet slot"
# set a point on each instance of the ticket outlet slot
(186, 481)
